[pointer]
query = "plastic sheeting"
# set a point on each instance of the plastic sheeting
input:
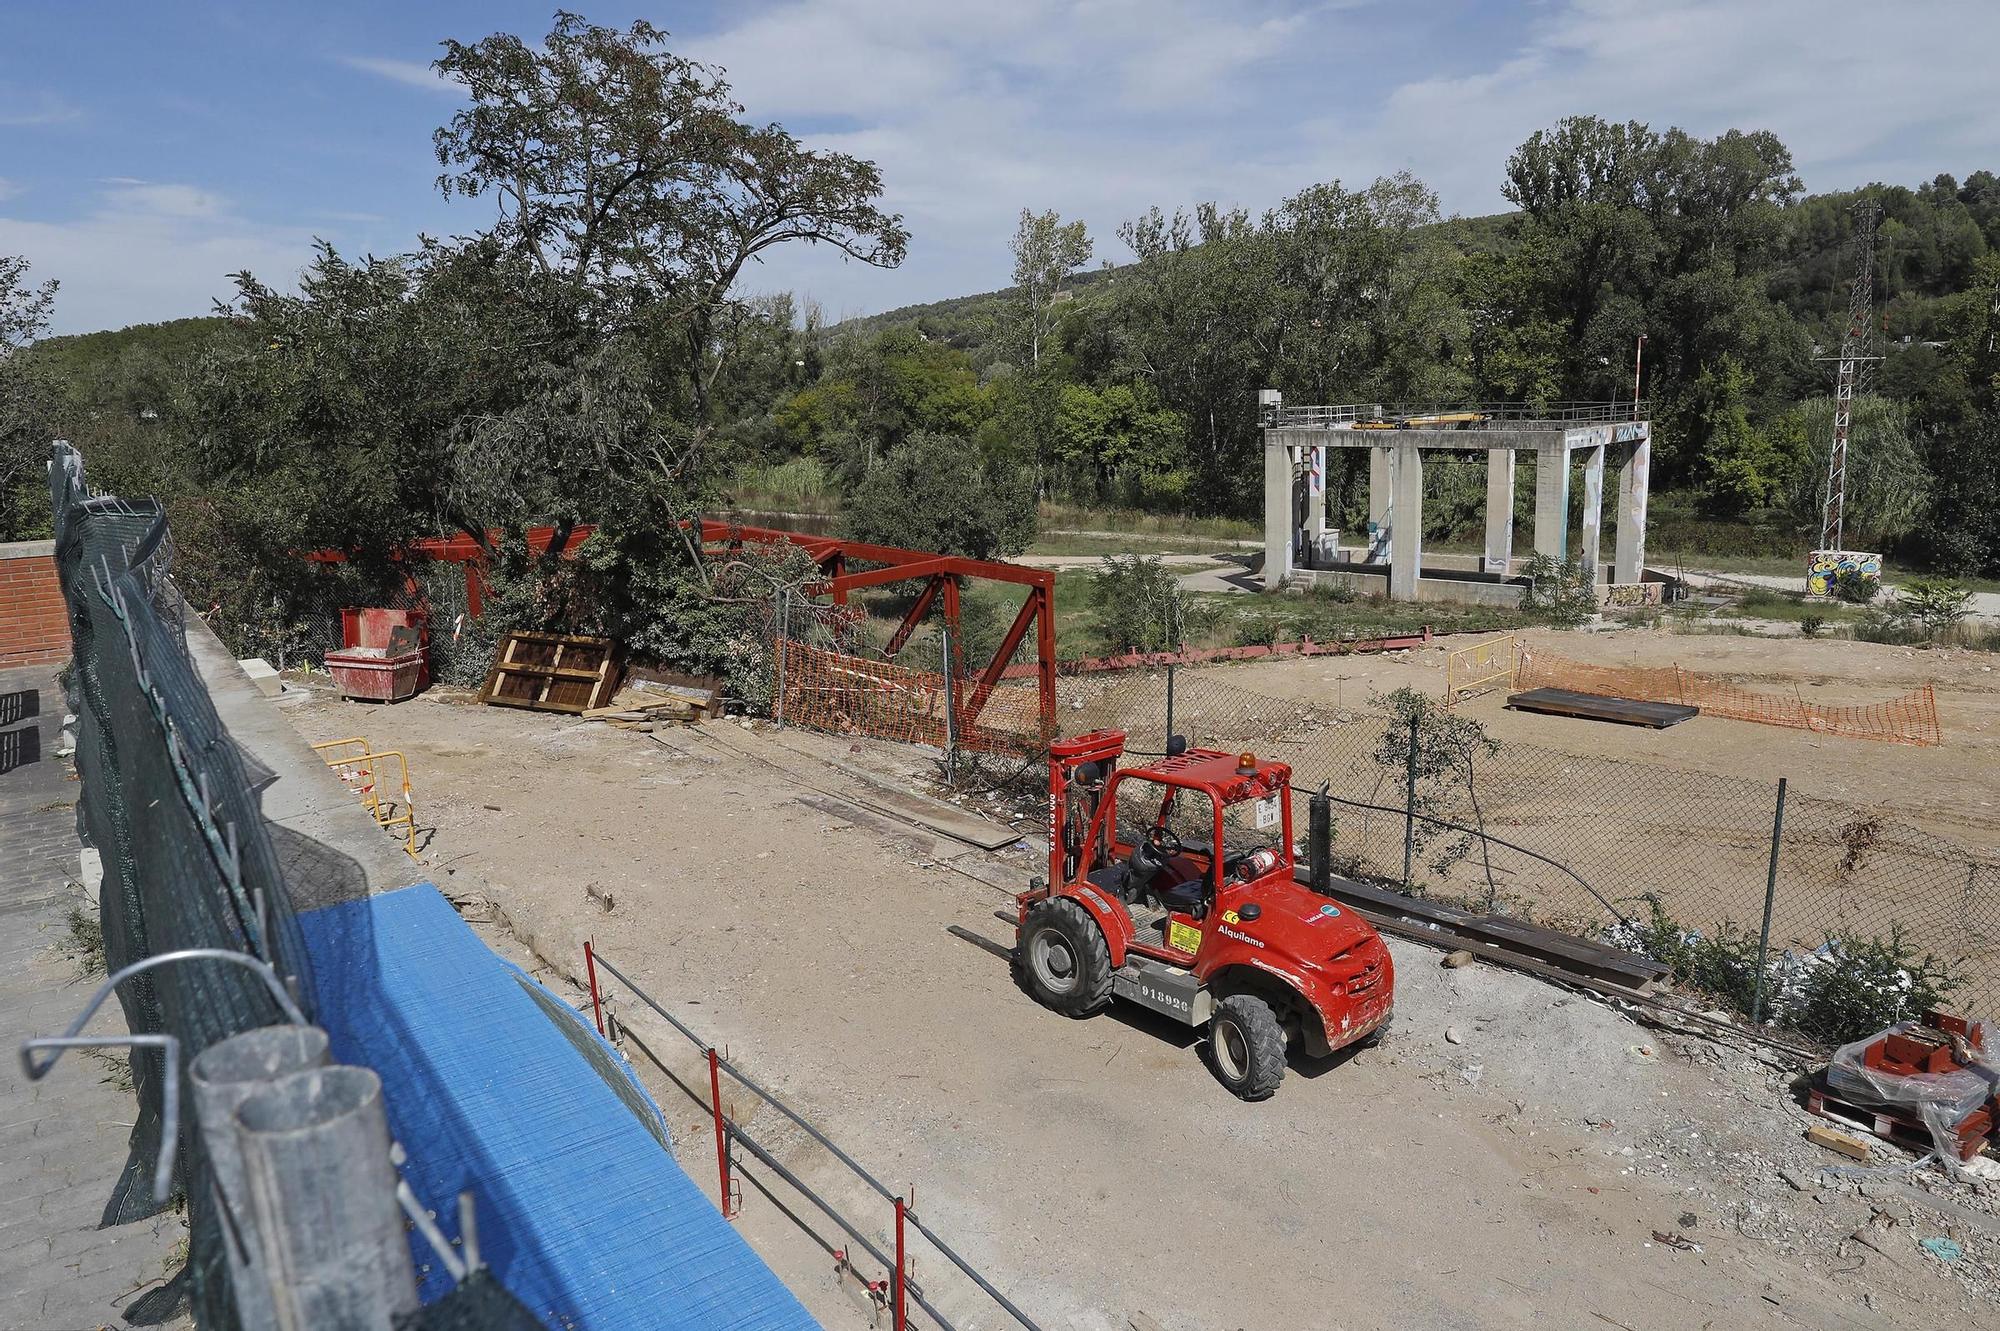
(1941, 1100)
(582, 1214)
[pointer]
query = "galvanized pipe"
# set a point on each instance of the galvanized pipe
(316, 1157)
(222, 1077)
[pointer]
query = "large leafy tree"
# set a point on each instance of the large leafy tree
(568, 364)
(1046, 251)
(1625, 231)
(622, 167)
(28, 402)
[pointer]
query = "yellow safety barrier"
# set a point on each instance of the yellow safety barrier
(362, 768)
(1479, 668)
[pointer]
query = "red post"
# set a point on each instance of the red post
(902, 1285)
(590, 967)
(721, 1132)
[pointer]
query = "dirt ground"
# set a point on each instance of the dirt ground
(1953, 789)
(1514, 1155)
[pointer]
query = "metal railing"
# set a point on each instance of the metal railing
(898, 1289)
(1488, 414)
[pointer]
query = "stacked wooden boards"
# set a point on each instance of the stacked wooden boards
(550, 672)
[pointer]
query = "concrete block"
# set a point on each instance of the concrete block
(90, 871)
(261, 673)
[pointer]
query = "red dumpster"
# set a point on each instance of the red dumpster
(383, 655)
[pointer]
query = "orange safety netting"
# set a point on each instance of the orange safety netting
(1910, 719)
(854, 695)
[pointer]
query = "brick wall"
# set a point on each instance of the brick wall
(34, 627)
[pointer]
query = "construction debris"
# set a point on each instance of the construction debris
(632, 708)
(1850, 1146)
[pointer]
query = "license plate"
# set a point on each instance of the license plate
(1268, 813)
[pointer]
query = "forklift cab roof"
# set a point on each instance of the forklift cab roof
(1232, 777)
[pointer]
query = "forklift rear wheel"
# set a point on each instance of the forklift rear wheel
(1065, 958)
(1247, 1046)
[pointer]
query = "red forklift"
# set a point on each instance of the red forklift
(1171, 885)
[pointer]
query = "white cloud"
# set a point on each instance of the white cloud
(29, 110)
(147, 251)
(1102, 108)
(409, 73)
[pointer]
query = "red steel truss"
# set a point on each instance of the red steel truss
(942, 576)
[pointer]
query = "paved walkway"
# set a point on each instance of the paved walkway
(62, 1139)
(1984, 605)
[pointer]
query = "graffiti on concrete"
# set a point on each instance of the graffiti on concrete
(1826, 566)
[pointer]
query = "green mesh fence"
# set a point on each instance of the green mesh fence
(167, 801)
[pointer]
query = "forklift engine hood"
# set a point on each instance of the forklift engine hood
(1342, 966)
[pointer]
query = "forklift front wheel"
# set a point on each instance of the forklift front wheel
(1065, 958)
(1247, 1045)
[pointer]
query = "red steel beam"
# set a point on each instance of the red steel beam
(989, 677)
(878, 577)
(901, 636)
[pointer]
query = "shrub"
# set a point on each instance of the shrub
(1933, 604)
(1558, 588)
(1140, 606)
(934, 493)
(1855, 587)
(1812, 625)
(1852, 987)
(1847, 988)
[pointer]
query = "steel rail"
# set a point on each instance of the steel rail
(950, 1254)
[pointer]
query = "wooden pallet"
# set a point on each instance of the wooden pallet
(1905, 1130)
(550, 672)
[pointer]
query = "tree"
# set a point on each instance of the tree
(28, 403)
(1742, 468)
(571, 364)
(1625, 232)
(623, 168)
(1046, 251)
(1888, 486)
(932, 492)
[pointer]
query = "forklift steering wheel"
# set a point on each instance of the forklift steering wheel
(1164, 841)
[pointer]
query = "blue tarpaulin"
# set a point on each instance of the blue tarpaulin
(582, 1213)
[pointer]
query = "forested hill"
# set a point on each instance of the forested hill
(1928, 241)
(968, 322)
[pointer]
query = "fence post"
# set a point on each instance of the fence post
(950, 707)
(1170, 704)
(590, 968)
(784, 628)
(1410, 807)
(1319, 841)
(1770, 896)
(902, 1282)
(721, 1130)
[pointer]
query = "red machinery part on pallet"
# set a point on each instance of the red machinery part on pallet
(1937, 1072)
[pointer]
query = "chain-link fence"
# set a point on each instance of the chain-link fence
(170, 806)
(1869, 915)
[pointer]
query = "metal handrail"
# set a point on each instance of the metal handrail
(846, 1159)
(1496, 413)
(170, 1098)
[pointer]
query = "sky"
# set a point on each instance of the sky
(148, 151)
